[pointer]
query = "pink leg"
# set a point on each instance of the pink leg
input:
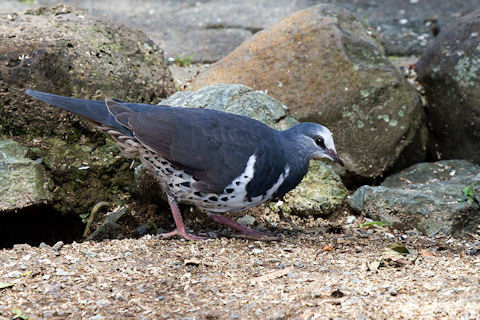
(177, 216)
(244, 230)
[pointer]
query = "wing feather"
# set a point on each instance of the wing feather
(212, 146)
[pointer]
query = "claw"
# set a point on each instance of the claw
(177, 216)
(184, 235)
(246, 232)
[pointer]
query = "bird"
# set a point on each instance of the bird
(217, 161)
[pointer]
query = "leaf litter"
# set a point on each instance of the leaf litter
(355, 273)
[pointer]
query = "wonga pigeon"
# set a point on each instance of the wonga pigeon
(211, 159)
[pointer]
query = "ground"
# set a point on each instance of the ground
(335, 270)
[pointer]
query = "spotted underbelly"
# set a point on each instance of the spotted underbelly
(182, 186)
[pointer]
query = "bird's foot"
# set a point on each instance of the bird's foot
(180, 227)
(182, 234)
(245, 232)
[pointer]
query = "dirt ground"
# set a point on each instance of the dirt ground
(335, 270)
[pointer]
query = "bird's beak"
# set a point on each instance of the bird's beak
(332, 155)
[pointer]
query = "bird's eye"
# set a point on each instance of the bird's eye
(319, 141)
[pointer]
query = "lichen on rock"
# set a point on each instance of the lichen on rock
(23, 182)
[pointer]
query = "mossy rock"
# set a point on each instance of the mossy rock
(64, 51)
(23, 182)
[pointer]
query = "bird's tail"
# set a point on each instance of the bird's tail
(93, 110)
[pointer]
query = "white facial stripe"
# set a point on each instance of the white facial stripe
(328, 139)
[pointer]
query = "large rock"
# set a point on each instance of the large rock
(326, 66)
(23, 182)
(60, 50)
(426, 196)
(320, 193)
(450, 72)
(63, 51)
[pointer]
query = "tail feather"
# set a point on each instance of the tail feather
(91, 109)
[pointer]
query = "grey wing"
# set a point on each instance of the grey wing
(213, 147)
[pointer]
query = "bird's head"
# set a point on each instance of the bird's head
(315, 141)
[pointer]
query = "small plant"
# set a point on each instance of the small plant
(84, 217)
(373, 224)
(365, 19)
(468, 195)
(18, 314)
(184, 62)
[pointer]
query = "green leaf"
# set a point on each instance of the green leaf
(373, 224)
(468, 195)
(365, 18)
(467, 191)
(184, 62)
(18, 314)
(396, 250)
(4, 285)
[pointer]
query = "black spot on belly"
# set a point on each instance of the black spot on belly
(224, 198)
(213, 199)
(237, 183)
(168, 170)
(164, 162)
(185, 184)
(170, 185)
(246, 177)
(229, 190)
(198, 194)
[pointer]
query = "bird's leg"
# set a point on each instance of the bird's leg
(177, 216)
(237, 226)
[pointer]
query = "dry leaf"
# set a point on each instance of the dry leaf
(5, 285)
(396, 250)
(425, 253)
(374, 265)
(192, 262)
(327, 248)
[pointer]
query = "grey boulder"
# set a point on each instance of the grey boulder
(426, 196)
(450, 72)
(238, 99)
